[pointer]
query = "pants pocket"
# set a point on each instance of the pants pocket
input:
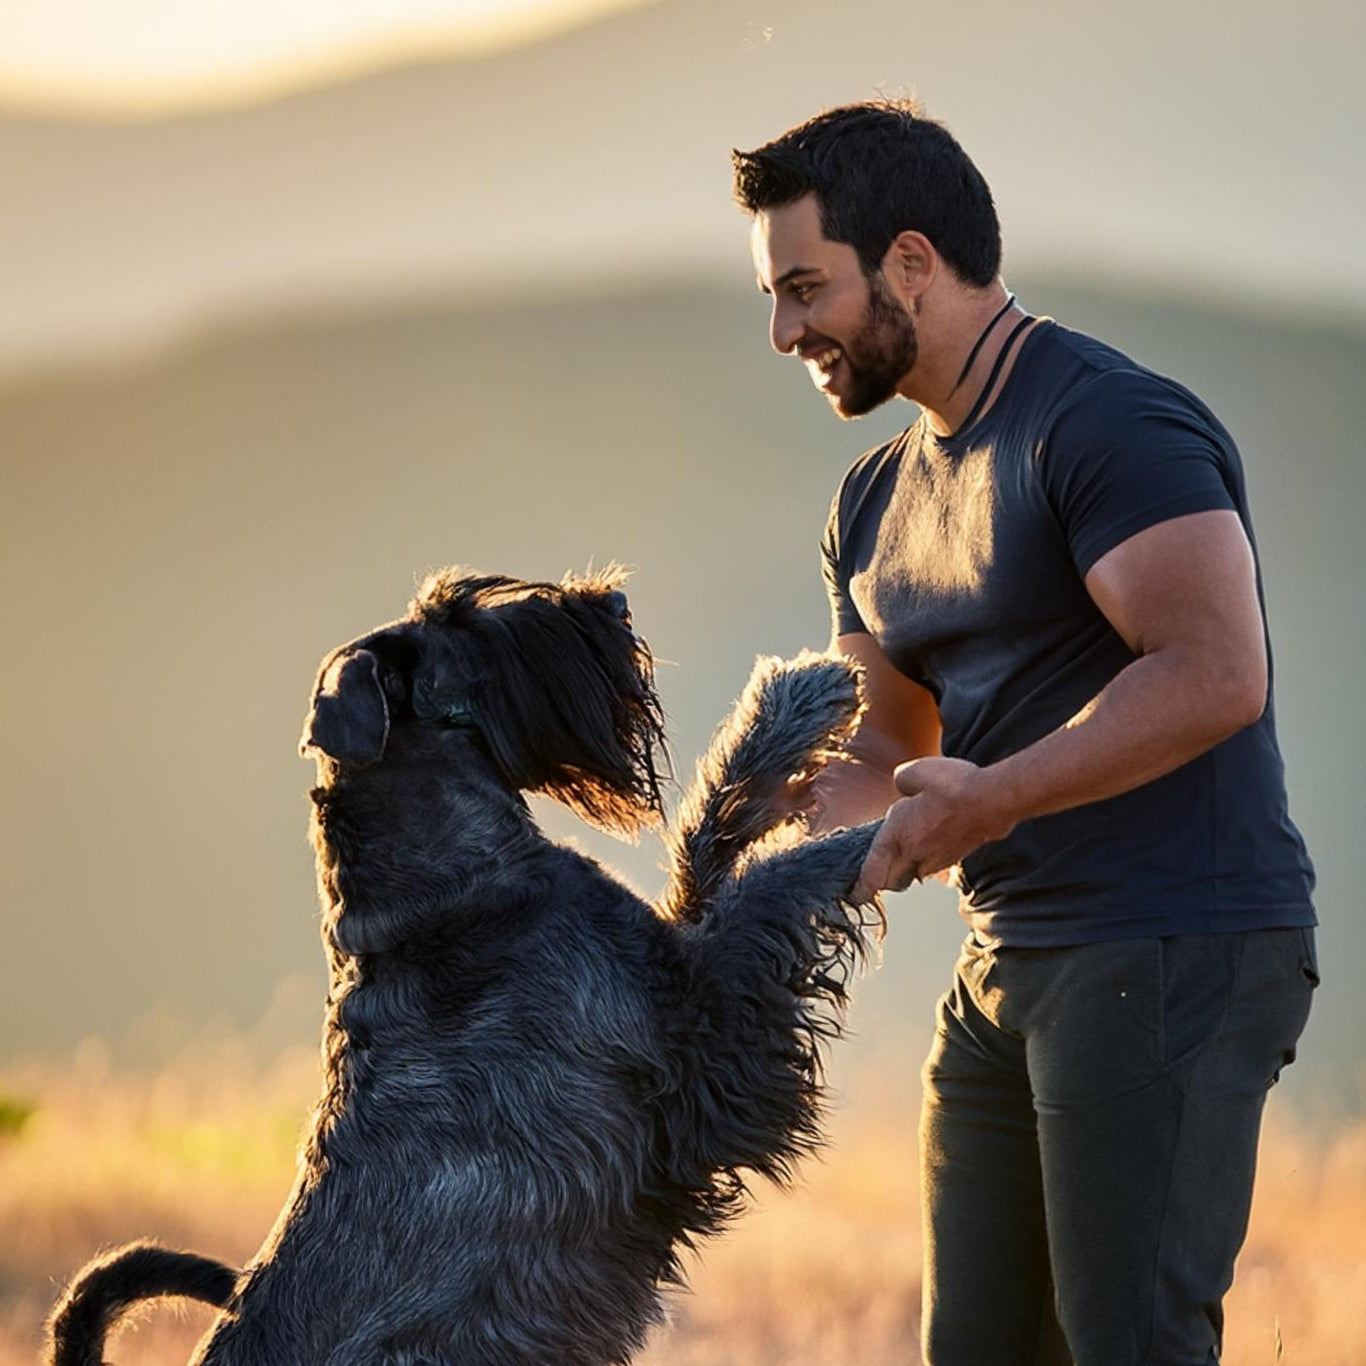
(1091, 1018)
(1270, 1005)
(1199, 975)
(1309, 957)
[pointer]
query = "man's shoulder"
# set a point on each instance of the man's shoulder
(1092, 355)
(1113, 400)
(1097, 381)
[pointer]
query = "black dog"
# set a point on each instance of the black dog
(538, 1088)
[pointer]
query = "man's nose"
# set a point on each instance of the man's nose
(784, 328)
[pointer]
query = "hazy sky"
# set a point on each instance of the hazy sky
(184, 530)
(156, 56)
(1210, 150)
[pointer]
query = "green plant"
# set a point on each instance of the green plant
(14, 1115)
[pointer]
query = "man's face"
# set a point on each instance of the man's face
(856, 338)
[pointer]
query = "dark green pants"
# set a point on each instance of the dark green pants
(1088, 1142)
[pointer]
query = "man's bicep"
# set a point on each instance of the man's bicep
(1190, 583)
(901, 721)
(1131, 452)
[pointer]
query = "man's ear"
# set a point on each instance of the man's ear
(911, 266)
(349, 716)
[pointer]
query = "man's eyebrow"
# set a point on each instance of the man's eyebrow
(786, 277)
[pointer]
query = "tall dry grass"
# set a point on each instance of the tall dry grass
(199, 1153)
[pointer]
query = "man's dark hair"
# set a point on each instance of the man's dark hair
(878, 169)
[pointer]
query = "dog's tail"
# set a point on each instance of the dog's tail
(791, 718)
(110, 1285)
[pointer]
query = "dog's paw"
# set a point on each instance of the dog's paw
(796, 711)
(792, 716)
(822, 683)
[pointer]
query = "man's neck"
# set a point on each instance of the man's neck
(938, 382)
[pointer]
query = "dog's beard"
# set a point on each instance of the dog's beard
(619, 790)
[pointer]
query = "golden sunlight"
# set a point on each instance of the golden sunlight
(200, 1155)
(128, 59)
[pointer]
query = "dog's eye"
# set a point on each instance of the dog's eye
(617, 602)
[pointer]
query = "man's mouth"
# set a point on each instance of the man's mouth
(821, 363)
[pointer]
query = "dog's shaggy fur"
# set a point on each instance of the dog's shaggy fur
(538, 1088)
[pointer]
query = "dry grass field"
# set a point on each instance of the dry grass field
(199, 1153)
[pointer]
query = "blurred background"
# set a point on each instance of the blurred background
(300, 299)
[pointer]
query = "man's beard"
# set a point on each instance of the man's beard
(879, 354)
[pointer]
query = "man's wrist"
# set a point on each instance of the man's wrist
(999, 799)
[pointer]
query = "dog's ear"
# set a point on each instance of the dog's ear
(349, 717)
(567, 705)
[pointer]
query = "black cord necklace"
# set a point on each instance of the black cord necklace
(997, 366)
(980, 342)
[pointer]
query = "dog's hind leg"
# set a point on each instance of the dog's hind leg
(791, 716)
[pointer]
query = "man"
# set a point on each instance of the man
(1050, 581)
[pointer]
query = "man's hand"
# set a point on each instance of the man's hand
(949, 807)
(844, 792)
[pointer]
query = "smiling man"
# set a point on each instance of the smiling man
(1050, 580)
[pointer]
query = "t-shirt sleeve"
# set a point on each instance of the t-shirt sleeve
(1130, 451)
(844, 616)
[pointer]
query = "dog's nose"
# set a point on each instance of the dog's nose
(620, 606)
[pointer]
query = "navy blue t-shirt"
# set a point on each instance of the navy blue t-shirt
(964, 557)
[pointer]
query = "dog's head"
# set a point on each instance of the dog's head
(548, 681)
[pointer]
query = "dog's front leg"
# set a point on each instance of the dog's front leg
(792, 715)
(770, 961)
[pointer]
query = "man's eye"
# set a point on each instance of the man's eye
(803, 293)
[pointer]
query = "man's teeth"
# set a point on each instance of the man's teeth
(826, 360)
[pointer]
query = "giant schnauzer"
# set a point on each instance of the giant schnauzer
(539, 1089)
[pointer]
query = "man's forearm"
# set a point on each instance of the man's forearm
(847, 792)
(1158, 713)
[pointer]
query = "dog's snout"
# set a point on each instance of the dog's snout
(618, 603)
